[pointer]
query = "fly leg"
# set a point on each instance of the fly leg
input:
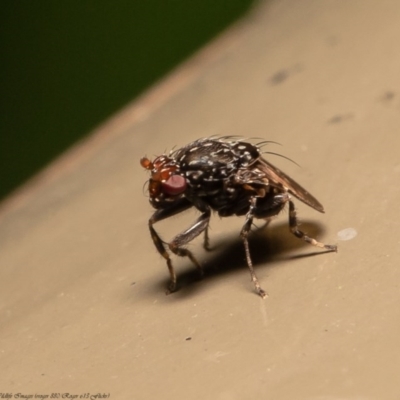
(244, 233)
(159, 215)
(206, 241)
(176, 245)
(294, 228)
(183, 238)
(260, 208)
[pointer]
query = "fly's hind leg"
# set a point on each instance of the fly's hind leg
(294, 228)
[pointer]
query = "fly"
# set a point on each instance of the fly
(229, 177)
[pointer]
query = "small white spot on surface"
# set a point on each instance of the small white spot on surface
(347, 234)
(215, 357)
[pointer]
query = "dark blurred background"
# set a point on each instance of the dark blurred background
(68, 65)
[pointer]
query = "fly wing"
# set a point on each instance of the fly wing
(279, 179)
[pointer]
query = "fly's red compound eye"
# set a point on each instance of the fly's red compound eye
(174, 185)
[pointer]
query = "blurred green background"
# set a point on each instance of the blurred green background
(68, 65)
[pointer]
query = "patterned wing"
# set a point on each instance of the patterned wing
(279, 179)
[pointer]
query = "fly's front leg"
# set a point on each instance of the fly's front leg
(179, 241)
(294, 228)
(206, 241)
(158, 216)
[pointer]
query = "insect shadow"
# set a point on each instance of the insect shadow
(270, 245)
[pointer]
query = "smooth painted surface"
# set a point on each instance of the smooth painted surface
(83, 308)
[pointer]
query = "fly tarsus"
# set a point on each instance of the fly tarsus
(294, 228)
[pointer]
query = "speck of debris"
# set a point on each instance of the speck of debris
(133, 283)
(347, 234)
(188, 338)
(336, 119)
(279, 77)
(388, 96)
